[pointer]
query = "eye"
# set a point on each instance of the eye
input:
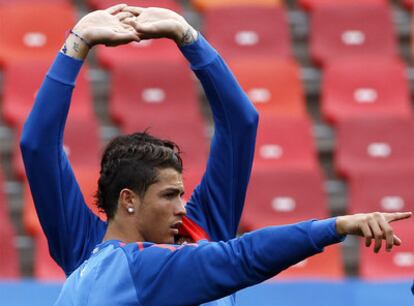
(169, 195)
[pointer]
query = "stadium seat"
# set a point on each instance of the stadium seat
(138, 92)
(409, 4)
(45, 268)
(22, 80)
(9, 259)
(41, 38)
(374, 145)
(362, 30)
(253, 32)
(82, 151)
(396, 265)
(323, 266)
(19, 2)
(204, 5)
(391, 191)
(103, 4)
(356, 87)
(274, 85)
(145, 51)
(283, 197)
(285, 143)
(312, 4)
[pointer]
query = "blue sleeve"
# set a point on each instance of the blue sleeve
(195, 274)
(217, 202)
(71, 228)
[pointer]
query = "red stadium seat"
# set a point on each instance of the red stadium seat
(356, 87)
(409, 4)
(274, 86)
(19, 2)
(22, 80)
(389, 192)
(142, 52)
(253, 32)
(282, 197)
(103, 4)
(312, 4)
(138, 92)
(41, 38)
(396, 265)
(374, 145)
(340, 31)
(285, 143)
(45, 268)
(82, 151)
(204, 5)
(323, 266)
(9, 259)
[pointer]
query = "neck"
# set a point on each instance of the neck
(121, 231)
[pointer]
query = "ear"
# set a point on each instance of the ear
(128, 200)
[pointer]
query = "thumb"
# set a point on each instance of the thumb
(391, 217)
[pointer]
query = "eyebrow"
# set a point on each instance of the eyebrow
(172, 189)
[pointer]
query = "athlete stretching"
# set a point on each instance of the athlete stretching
(214, 209)
(140, 188)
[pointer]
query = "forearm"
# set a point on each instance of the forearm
(232, 146)
(193, 275)
(45, 123)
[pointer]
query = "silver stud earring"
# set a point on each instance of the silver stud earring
(130, 210)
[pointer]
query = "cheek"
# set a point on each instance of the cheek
(156, 213)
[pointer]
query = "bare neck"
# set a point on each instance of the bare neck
(121, 231)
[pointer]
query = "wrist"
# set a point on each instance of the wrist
(76, 45)
(185, 34)
(340, 229)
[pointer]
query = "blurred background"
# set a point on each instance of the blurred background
(332, 81)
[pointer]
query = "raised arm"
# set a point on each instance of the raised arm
(190, 275)
(71, 228)
(217, 202)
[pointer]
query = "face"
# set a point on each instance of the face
(159, 213)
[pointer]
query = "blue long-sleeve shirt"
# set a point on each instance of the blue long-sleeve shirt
(215, 206)
(168, 275)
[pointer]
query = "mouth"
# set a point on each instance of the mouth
(175, 227)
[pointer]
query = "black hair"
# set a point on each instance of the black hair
(132, 161)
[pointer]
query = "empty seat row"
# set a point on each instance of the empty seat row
(254, 31)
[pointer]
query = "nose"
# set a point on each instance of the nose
(180, 209)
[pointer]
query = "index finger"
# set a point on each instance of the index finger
(136, 10)
(116, 8)
(390, 217)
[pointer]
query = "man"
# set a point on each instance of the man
(140, 190)
(214, 209)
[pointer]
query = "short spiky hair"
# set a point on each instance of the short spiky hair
(132, 161)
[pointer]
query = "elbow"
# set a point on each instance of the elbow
(252, 120)
(27, 142)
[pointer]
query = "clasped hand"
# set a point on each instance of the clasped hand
(122, 24)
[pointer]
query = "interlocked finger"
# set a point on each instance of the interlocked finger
(136, 10)
(116, 8)
(123, 15)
